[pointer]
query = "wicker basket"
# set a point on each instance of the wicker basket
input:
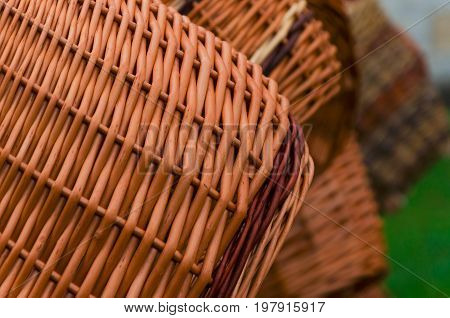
(403, 125)
(335, 247)
(137, 150)
(292, 46)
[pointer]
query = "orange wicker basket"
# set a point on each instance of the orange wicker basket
(293, 48)
(335, 247)
(137, 152)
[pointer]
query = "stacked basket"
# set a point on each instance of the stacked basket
(137, 154)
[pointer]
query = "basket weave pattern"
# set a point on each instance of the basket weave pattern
(289, 40)
(132, 144)
(308, 77)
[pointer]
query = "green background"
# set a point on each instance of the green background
(418, 238)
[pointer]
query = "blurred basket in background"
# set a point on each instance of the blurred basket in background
(293, 46)
(403, 124)
(335, 247)
(137, 154)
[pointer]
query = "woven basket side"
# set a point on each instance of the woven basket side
(246, 24)
(249, 257)
(132, 143)
(289, 40)
(267, 250)
(336, 242)
(307, 76)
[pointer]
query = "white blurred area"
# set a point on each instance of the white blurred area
(432, 32)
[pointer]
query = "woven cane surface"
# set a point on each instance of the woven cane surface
(293, 47)
(132, 144)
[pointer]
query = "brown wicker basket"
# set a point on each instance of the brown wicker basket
(402, 123)
(292, 46)
(335, 247)
(137, 151)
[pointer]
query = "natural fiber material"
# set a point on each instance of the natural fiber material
(260, 214)
(335, 246)
(254, 27)
(134, 146)
(403, 125)
(294, 49)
